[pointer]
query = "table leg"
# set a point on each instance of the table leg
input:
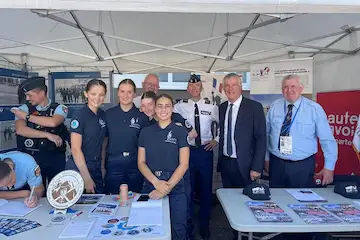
(239, 236)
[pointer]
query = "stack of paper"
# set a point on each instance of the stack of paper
(104, 209)
(305, 195)
(146, 213)
(15, 208)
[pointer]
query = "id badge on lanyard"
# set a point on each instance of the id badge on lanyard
(286, 146)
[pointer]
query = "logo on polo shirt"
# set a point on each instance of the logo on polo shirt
(102, 123)
(170, 139)
(74, 124)
(134, 123)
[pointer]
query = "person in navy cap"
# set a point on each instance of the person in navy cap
(40, 128)
(88, 132)
(201, 114)
(163, 160)
(124, 123)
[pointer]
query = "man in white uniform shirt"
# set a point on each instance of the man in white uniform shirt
(200, 113)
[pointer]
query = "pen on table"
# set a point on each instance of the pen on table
(31, 194)
(76, 215)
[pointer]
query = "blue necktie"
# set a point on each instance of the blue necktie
(229, 149)
(285, 128)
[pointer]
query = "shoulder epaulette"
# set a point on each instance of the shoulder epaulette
(184, 100)
(207, 101)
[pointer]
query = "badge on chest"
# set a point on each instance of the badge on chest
(286, 144)
(170, 138)
(134, 123)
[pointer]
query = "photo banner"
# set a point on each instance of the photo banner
(342, 110)
(266, 78)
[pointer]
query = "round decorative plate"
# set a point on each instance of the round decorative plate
(65, 189)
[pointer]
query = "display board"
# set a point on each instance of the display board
(266, 78)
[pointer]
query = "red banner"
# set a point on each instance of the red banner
(342, 110)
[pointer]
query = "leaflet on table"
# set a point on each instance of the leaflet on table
(13, 226)
(306, 195)
(268, 212)
(77, 229)
(104, 209)
(346, 212)
(15, 208)
(146, 213)
(117, 226)
(90, 199)
(313, 214)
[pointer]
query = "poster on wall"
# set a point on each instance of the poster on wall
(266, 78)
(343, 115)
(9, 83)
(71, 91)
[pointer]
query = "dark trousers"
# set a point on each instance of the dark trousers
(94, 166)
(50, 163)
(122, 170)
(178, 201)
(291, 174)
(231, 176)
(189, 224)
(201, 172)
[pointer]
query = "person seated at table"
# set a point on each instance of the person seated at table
(163, 159)
(18, 173)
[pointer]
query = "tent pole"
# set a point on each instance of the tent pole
(85, 35)
(45, 42)
(299, 45)
(164, 65)
(162, 47)
(47, 47)
(219, 52)
(159, 49)
(244, 36)
(331, 43)
(172, 64)
(108, 49)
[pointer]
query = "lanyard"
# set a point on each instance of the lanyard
(292, 120)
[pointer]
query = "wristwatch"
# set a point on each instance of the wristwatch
(27, 117)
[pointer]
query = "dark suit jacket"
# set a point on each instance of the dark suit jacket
(250, 136)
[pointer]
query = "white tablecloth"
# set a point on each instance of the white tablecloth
(242, 219)
(46, 232)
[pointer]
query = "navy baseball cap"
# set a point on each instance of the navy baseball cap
(257, 191)
(348, 189)
(194, 79)
(32, 83)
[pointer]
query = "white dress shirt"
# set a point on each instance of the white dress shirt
(235, 110)
(208, 113)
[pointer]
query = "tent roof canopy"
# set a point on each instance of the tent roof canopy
(140, 42)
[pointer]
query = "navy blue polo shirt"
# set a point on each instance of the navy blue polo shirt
(124, 130)
(92, 127)
(179, 120)
(162, 146)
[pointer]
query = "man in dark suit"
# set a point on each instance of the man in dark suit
(242, 143)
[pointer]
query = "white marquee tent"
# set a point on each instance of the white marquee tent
(172, 36)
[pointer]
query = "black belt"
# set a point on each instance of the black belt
(229, 158)
(293, 161)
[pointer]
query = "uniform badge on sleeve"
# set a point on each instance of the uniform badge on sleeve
(187, 124)
(64, 108)
(37, 171)
(178, 124)
(74, 124)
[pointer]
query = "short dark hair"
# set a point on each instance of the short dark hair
(164, 95)
(5, 169)
(128, 81)
(149, 94)
(95, 82)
